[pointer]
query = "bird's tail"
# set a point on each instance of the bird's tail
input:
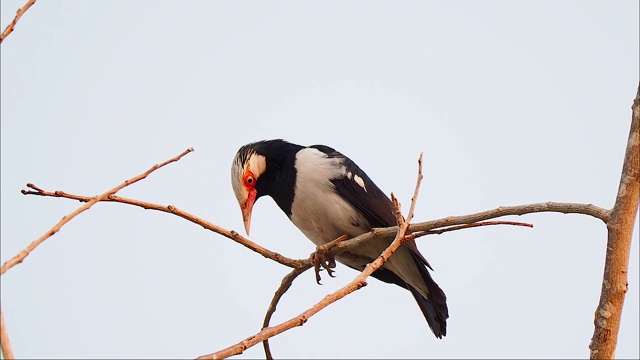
(434, 308)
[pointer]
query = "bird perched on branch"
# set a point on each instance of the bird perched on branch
(326, 195)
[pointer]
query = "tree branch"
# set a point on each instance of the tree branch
(465, 226)
(24, 253)
(230, 234)
(7, 351)
(619, 233)
(4, 337)
(286, 283)
(9, 29)
(565, 208)
(585, 209)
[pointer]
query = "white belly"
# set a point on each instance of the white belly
(327, 218)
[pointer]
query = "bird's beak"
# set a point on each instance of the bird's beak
(247, 207)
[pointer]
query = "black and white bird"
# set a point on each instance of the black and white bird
(326, 195)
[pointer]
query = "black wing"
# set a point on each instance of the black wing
(372, 202)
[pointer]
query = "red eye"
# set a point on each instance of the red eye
(249, 180)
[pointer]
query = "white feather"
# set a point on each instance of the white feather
(317, 210)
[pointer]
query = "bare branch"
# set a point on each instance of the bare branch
(414, 199)
(565, 208)
(24, 253)
(465, 226)
(339, 246)
(296, 264)
(284, 286)
(357, 283)
(5, 344)
(9, 29)
(619, 233)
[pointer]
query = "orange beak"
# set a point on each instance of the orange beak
(247, 207)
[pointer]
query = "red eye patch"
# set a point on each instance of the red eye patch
(249, 179)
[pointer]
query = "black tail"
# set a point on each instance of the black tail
(434, 311)
(434, 308)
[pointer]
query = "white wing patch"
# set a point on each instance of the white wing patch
(359, 181)
(356, 178)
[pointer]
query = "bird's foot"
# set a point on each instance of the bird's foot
(323, 260)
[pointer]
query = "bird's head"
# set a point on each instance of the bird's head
(246, 169)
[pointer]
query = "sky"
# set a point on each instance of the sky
(511, 102)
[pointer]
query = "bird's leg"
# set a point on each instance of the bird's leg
(322, 258)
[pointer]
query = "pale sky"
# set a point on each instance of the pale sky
(511, 102)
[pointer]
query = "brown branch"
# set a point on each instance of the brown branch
(465, 226)
(619, 233)
(24, 253)
(565, 208)
(286, 283)
(414, 199)
(357, 283)
(9, 29)
(296, 264)
(432, 225)
(5, 344)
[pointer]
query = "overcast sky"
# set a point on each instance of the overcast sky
(511, 102)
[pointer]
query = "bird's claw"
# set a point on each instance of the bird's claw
(321, 260)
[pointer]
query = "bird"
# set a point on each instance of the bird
(326, 196)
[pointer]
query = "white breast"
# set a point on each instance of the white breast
(317, 210)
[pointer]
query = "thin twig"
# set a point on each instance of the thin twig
(9, 29)
(284, 286)
(465, 226)
(286, 283)
(24, 253)
(357, 283)
(7, 351)
(414, 199)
